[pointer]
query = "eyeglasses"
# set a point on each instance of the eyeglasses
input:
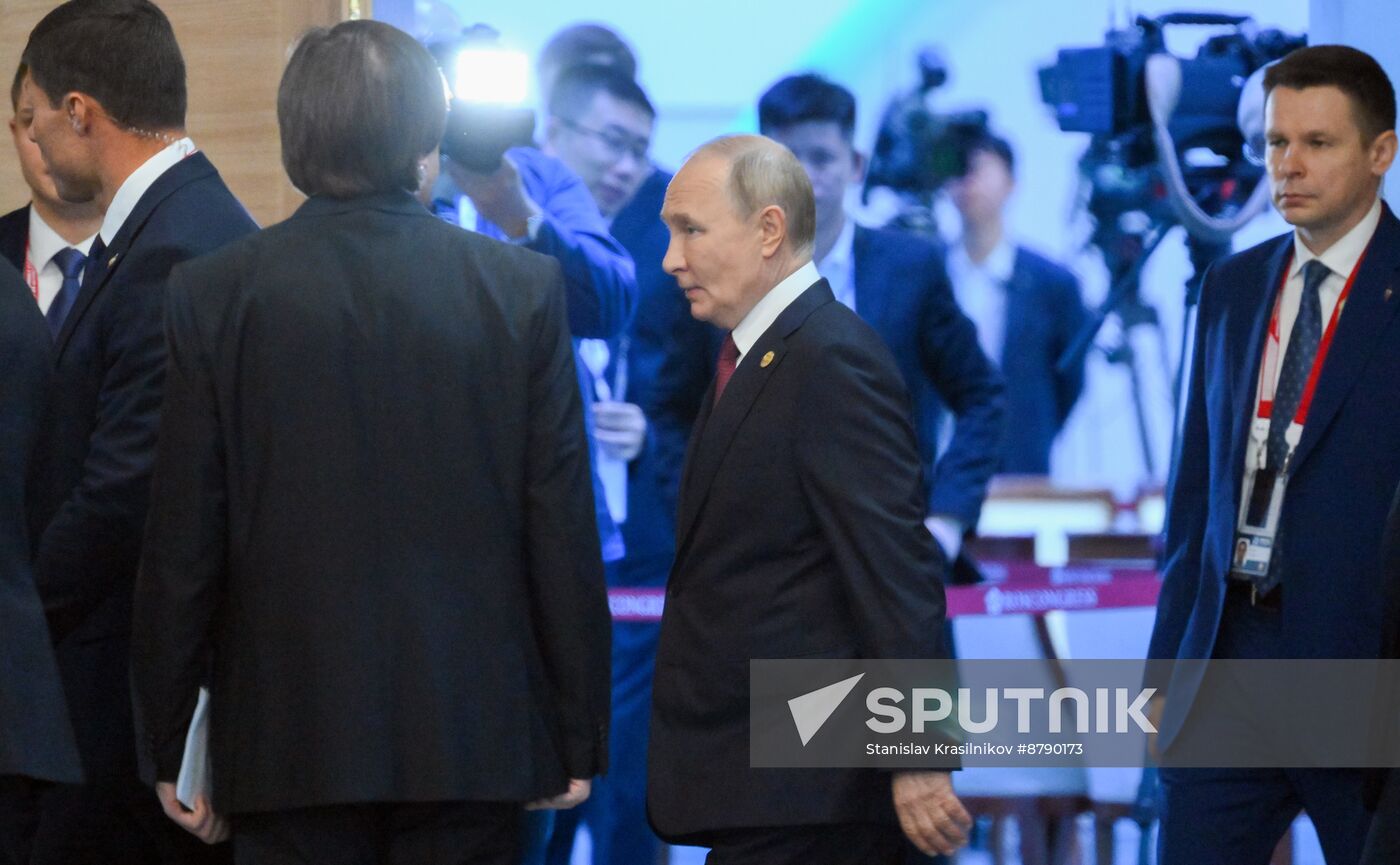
(618, 144)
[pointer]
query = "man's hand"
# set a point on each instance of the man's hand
(621, 429)
(499, 196)
(576, 795)
(201, 822)
(929, 811)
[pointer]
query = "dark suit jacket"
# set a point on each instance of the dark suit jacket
(36, 738)
(1388, 689)
(14, 236)
(91, 478)
(902, 290)
(372, 508)
(1044, 313)
(1344, 471)
(662, 327)
(800, 534)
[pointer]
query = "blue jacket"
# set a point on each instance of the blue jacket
(599, 279)
(902, 290)
(1344, 471)
(1044, 313)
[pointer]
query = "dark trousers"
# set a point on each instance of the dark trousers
(1237, 816)
(842, 844)
(439, 833)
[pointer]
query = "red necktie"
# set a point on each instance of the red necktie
(724, 367)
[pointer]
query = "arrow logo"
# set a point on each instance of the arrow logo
(810, 711)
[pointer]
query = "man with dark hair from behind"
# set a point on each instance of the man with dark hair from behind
(899, 285)
(1026, 308)
(36, 238)
(385, 560)
(106, 87)
(1314, 305)
(600, 125)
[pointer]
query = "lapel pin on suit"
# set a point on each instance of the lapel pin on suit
(1388, 292)
(767, 359)
(113, 260)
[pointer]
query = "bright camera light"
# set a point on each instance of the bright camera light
(492, 75)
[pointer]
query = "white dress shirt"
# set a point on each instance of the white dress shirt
(44, 244)
(839, 266)
(1340, 258)
(770, 306)
(980, 290)
(135, 186)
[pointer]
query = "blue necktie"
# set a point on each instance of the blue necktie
(1298, 362)
(71, 263)
(1292, 379)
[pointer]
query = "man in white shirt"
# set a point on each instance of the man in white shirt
(34, 237)
(1290, 454)
(109, 124)
(1027, 309)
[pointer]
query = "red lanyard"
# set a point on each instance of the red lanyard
(1268, 370)
(31, 274)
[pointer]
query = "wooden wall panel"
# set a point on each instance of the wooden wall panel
(234, 53)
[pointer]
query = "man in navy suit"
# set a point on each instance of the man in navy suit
(899, 285)
(36, 740)
(111, 129)
(33, 237)
(1292, 391)
(600, 125)
(1026, 308)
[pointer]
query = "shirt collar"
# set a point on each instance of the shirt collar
(839, 256)
(999, 265)
(771, 305)
(1340, 257)
(45, 243)
(136, 184)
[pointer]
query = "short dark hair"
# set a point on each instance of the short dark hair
(589, 43)
(359, 106)
(996, 146)
(18, 85)
(807, 98)
(576, 86)
(1355, 73)
(122, 53)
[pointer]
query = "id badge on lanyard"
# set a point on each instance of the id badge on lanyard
(1262, 503)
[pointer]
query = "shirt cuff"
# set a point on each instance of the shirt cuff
(949, 534)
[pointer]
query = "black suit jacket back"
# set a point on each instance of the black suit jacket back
(372, 507)
(800, 534)
(35, 736)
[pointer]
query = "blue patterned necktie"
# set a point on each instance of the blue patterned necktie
(70, 263)
(1298, 362)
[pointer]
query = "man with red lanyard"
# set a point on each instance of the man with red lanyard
(1290, 454)
(48, 239)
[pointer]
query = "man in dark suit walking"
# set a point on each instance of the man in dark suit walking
(1382, 792)
(36, 739)
(897, 283)
(1026, 308)
(800, 531)
(372, 532)
(110, 126)
(1290, 453)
